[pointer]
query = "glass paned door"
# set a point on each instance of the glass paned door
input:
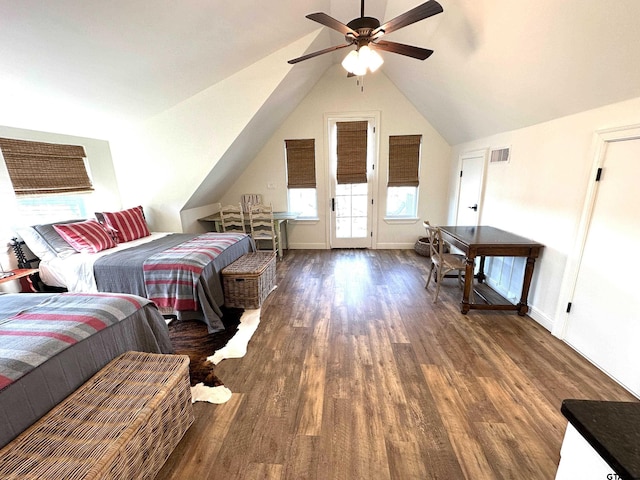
(352, 210)
(351, 224)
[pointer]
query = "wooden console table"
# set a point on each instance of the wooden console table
(484, 241)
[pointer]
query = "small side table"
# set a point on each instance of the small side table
(24, 275)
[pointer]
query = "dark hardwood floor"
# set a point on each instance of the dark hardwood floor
(354, 373)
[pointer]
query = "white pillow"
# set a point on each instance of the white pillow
(36, 244)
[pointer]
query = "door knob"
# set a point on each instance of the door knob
(474, 207)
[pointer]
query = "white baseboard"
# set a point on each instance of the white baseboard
(324, 246)
(308, 246)
(541, 318)
(395, 246)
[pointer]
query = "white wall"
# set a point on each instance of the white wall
(335, 93)
(540, 192)
(160, 164)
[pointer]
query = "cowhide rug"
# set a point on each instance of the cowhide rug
(205, 351)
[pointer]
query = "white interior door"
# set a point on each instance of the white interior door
(604, 319)
(351, 209)
(470, 188)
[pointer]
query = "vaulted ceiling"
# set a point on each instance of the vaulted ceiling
(498, 64)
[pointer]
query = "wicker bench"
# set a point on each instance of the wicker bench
(124, 422)
(249, 280)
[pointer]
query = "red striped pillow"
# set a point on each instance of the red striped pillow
(88, 236)
(127, 224)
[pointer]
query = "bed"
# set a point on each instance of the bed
(51, 343)
(179, 272)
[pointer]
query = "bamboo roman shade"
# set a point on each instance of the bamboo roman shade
(404, 158)
(352, 152)
(301, 163)
(45, 168)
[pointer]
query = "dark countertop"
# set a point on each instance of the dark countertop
(612, 429)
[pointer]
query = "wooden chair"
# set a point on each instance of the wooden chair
(263, 225)
(249, 199)
(232, 218)
(442, 262)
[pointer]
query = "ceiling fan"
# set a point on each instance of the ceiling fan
(366, 34)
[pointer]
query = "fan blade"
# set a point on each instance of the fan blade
(426, 10)
(402, 49)
(331, 22)
(319, 52)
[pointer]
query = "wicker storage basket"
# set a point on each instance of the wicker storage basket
(124, 422)
(248, 280)
(422, 246)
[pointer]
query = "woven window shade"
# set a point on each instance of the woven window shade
(45, 168)
(352, 152)
(404, 158)
(301, 163)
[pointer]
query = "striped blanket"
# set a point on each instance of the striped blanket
(171, 277)
(39, 332)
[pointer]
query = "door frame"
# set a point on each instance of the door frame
(602, 138)
(484, 153)
(372, 170)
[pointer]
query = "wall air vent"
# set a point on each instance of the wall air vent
(502, 154)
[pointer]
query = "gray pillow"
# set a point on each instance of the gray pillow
(36, 244)
(54, 240)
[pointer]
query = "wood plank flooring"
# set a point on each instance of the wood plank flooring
(354, 373)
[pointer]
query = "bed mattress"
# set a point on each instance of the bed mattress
(27, 399)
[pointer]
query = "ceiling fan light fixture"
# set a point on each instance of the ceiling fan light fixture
(351, 63)
(371, 58)
(357, 62)
(364, 31)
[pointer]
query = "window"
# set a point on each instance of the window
(50, 180)
(301, 177)
(352, 152)
(51, 208)
(402, 202)
(402, 186)
(352, 188)
(352, 207)
(304, 201)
